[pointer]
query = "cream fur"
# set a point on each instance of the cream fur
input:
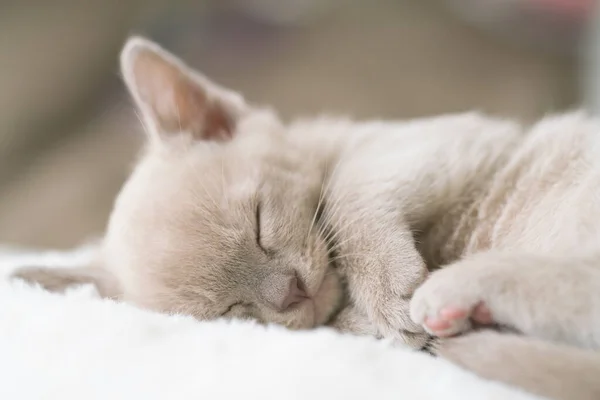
(75, 346)
(228, 205)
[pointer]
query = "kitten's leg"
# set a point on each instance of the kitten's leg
(60, 279)
(546, 297)
(383, 268)
(542, 368)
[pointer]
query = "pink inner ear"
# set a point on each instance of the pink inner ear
(207, 120)
(177, 102)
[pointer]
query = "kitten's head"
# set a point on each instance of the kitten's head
(219, 215)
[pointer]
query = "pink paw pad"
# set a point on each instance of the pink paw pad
(449, 318)
(482, 314)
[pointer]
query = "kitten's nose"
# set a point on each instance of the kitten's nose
(282, 291)
(295, 294)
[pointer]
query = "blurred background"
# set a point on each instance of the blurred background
(68, 133)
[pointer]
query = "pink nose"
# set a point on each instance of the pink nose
(294, 295)
(282, 291)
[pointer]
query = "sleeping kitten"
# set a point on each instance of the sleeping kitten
(232, 213)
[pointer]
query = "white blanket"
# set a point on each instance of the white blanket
(76, 346)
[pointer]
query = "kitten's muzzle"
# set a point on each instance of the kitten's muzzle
(283, 292)
(295, 295)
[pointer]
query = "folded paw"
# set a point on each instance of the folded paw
(393, 321)
(451, 299)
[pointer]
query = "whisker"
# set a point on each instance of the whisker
(348, 255)
(314, 218)
(339, 245)
(339, 230)
(328, 179)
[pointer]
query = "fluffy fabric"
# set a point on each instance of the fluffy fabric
(77, 346)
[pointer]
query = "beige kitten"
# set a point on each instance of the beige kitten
(231, 213)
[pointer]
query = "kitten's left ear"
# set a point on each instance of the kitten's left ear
(174, 99)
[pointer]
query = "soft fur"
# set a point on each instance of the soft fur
(76, 346)
(232, 213)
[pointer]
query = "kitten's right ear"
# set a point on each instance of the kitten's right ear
(173, 98)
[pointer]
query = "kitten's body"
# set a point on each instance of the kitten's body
(542, 199)
(528, 248)
(535, 229)
(229, 213)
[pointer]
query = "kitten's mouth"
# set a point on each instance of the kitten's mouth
(324, 300)
(327, 299)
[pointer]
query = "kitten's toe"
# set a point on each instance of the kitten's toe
(482, 315)
(416, 341)
(449, 321)
(442, 314)
(453, 320)
(394, 322)
(445, 306)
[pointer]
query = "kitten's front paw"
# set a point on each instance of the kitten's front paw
(448, 302)
(352, 320)
(393, 321)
